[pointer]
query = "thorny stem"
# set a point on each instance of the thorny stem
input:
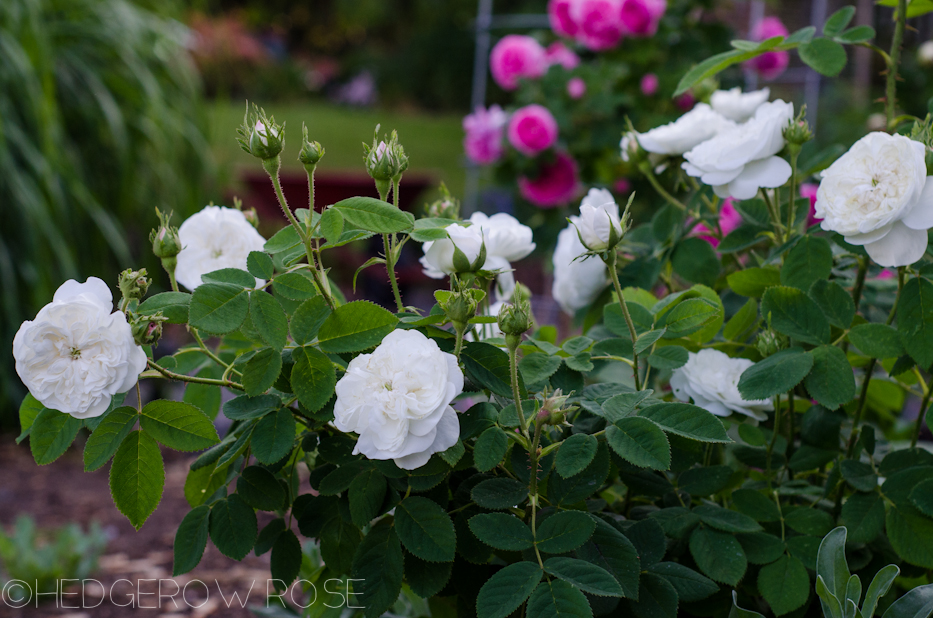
(210, 354)
(611, 263)
(516, 393)
(792, 206)
(649, 174)
(533, 483)
(890, 94)
(859, 281)
(775, 430)
(389, 241)
(171, 375)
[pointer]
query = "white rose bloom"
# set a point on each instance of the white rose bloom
(438, 260)
(215, 238)
(736, 105)
(711, 379)
(878, 195)
(925, 54)
(599, 214)
(505, 237)
(77, 354)
(741, 160)
(398, 400)
(576, 283)
(690, 130)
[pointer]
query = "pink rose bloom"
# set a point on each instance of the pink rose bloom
(600, 23)
(729, 219)
(685, 102)
(808, 190)
(532, 129)
(484, 132)
(558, 53)
(560, 14)
(622, 186)
(515, 57)
(649, 84)
(886, 273)
(576, 87)
(555, 185)
(641, 17)
(769, 64)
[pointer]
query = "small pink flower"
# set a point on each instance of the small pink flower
(576, 87)
(622, 186)
(560, 14)
(558, 53)
(515, 57)
(886, 273)
(729, 219)
(808, 190)
(649, 84)
(685, 102)
(484, 132)
(641, 17)
(600, 23)
(532, 129)
(769, 64)
(555, 185)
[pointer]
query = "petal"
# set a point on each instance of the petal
(448, 432)
(901, 247)
(868, 237)
(768, 173)
(920, 216)
(95, 289)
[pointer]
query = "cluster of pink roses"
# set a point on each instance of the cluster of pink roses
(517, 56)
(602, 24)
(769, 64)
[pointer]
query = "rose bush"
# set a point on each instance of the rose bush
(720, 435)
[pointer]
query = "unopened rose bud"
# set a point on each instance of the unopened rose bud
(770, 343)
(631, 150)
(147, 329)
(133, 284)
(798, 131)
(311, 152)
(252, 217)
(515, 318)
(260, 136)
(165, 240)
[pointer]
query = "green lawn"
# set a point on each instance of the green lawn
(433, 142)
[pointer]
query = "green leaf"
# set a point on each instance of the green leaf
(610, 549)
(644, 341)
(488, 366)
(859, 34)
(190, 540)
(368, 213)
(108, 436)
(203, 482)
(260, 265)
(811, 521)
(690, 585)
(710, 67)
(269, 319)
(204, 397)
(233, 527)
(366, 494)
(834, 301)
(499, 493)
(623, 405)
(808, 261)
(756, 505)
(838, 22)
(259, 488)
(507, 589)
(688, 317)
(285, 562)
(308, 318)
(173, 305)
(246, 408)
(916, 603)
(863, 516)
(283, 240)
(830, 381)
(425, 529)
(218, 308)
(784, 584)
(233, 276)
(584, 576)
(575, 454)
(502, 531)
(880, 584)
(915, 320)
(355, 326)
(859, 475)
(564, 531)
(51, 434)
(274, 436)
(705, 481)
(490, 448)
(294, 286)
(689, 421)
(795, 314)
(426, 579)
(29, 409)
(877, 340)
(640, 442)
(313, 378)
(137, 477)
(910, 534)
(379, 563)
(726, 520)
(738, 612)
(776, 374)
(331, 225)
(831, 563)
(718, 555)
(695, 260)
(261, 371)
(537, 368)
(753, 282)
(824, 56)
(178, 425)
(669, 357)
(558, 599)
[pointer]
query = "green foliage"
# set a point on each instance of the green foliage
(137, 477)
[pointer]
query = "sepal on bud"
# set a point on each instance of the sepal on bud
(798, 131)
(515, 317)
(382, 161)
(133, 284)
(259, 135)
(447, 207)
(147, 329)
(311, 152)
(165, 240)
(459, 304)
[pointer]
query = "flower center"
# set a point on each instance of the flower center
(75, 354)
(217, 253)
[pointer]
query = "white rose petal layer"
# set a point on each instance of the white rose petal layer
(711, 379)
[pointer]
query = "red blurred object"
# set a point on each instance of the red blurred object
(329, 188)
